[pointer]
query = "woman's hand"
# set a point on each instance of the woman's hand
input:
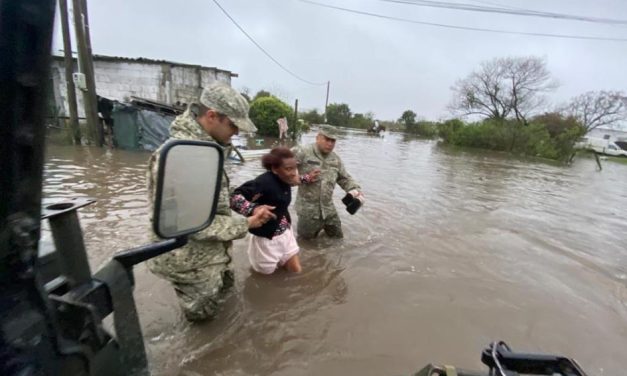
(261, 215)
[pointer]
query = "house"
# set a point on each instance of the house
(614, 135)
(119, 78)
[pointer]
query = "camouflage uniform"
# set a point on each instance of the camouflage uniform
(314, 201)
(200, 272)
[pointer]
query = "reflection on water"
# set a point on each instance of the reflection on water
(116, 179)
(453, 249)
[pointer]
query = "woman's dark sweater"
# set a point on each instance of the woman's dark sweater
(265, 189)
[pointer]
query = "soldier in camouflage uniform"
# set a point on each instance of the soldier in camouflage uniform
(200, 272)
(314, 200)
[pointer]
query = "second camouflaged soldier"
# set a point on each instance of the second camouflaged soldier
(200, 272)
(314, 200)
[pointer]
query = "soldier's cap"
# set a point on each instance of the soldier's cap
(226, 100)
(328, 131)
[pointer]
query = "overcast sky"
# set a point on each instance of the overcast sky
(373, 64)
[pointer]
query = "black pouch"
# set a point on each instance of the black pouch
(352, 204)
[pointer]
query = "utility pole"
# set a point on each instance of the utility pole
(296, 110)
(91, 81)
(85, 64)
(69, 69)
(326, 103)
(90, 63)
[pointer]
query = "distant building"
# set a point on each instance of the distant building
(120, 78)
(608, 134)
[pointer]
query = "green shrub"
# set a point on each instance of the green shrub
(536, 139)
(312, 117)
(557, 123)
(264, 112)
(563, 131)
(486, 135)
(422, 128)
(261, 94)
(338, 114)
(360, 121)
(447, 129)
(296, 127)
(391, 125)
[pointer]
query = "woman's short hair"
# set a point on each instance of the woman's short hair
(274, 159)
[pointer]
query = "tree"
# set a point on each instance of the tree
(361, 121)
(504, 88)
(312, 117)
(246, 94)
(265, 111)
(598, 108)
(338, 114)
(557, 123)
(408, 118)
(261, 94)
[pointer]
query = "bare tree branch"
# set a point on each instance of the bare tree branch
(598, 108)
(504, 88)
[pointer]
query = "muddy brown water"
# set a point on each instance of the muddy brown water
(452, 250)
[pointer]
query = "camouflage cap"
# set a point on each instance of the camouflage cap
(328, 130)
(228, 101)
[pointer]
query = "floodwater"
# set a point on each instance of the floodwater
(453, 249)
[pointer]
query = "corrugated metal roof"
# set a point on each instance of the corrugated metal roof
(144, 60)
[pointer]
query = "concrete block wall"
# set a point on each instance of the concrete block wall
(120, 79)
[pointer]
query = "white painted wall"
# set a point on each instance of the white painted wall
(118, 80)
(609, 134)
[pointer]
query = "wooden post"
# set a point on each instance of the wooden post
(84, 59)
(596, 157)
(295, 127)
(69, 69)
(91, 81)
(296, 110)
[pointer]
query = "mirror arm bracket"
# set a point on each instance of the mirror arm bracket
(134, 256)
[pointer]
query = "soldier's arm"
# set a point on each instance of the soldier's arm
(305, 178)
(224, 228)
(299, 154)
(345, 180)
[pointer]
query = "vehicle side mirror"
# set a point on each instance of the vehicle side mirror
(188, 187)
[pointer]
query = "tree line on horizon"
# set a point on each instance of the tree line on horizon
(501, 105)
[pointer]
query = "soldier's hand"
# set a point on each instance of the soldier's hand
(358, 195)
(314, 175)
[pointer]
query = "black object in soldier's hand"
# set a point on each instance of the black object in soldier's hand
(352, 204)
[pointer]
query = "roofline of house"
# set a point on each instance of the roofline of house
(617, 129)
(144, 60)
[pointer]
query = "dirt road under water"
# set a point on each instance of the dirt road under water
(453, 249)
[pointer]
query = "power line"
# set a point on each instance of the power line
(264, 51)
(456, 27)
(497, 4)
(506, 10)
